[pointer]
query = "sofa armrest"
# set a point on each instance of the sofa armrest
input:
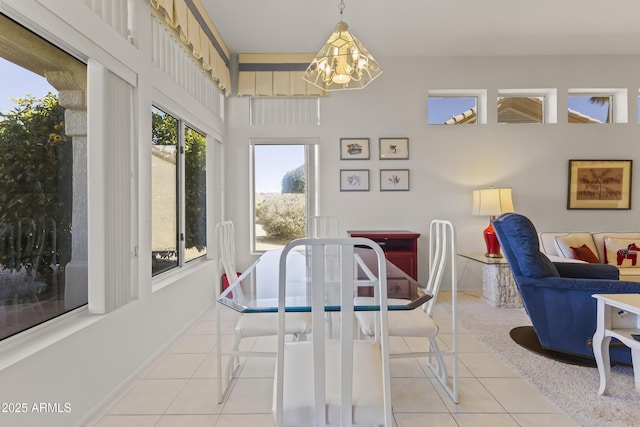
(587, 271)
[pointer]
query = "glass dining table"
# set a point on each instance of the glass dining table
(256, 289)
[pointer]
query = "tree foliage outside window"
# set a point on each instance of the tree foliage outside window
(36, 191)
(195, 168)
(283, 216)
(293, 181)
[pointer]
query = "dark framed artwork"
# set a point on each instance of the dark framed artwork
(354, 179)
(354, 149)
(599, 184)
(394, 148)
(394, 179)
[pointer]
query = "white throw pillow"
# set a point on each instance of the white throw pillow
(622, 252)
(575, 240)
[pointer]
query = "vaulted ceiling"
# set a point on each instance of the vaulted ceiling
(433, 27)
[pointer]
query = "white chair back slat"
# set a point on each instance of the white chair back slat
(323, 227)
(441, 254)
(318, 336)
(348, 290)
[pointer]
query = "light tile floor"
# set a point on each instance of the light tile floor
(180, 387)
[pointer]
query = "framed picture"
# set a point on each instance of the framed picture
(354, 179)
(394, 179)
(354, 148)
(394, 148)
(599, 184)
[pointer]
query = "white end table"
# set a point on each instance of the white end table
(498, 287)
(618, 317)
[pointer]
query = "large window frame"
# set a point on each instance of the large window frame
(43, 231)
(311, 183)
(168, 260)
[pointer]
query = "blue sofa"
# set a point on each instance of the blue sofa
(557, 296)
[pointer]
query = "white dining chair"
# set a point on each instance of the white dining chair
(419, 322)
(251, 325)
(333, 381)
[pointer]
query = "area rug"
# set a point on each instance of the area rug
(574, 389)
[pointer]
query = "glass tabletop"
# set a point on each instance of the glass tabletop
(256, 289)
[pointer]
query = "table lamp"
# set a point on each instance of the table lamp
(492, 202)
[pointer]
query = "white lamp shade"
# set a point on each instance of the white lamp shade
(492, 201)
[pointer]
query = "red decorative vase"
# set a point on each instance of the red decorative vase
(491, 240)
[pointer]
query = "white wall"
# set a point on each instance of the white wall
(82, 359)
(448, 162)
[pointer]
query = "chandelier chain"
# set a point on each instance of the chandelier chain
(341, 7)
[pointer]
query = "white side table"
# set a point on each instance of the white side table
(498, 287)
(614, 324)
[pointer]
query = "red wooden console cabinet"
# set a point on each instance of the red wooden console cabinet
(400, 247)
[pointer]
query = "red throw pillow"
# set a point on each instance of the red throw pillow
(583, 253)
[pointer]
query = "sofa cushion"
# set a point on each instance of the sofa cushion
(622, 252)
(598, 239)
(574, 240)
(547, 242)
(583, 253)
(630, 274)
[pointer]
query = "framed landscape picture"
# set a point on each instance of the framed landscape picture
(354, 149)
(394, 180)
(394, 148)
(354, 179)
(599, 184)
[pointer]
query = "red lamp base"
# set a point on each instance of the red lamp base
(491, 240)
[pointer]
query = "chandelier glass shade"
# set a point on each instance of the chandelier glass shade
(342, 63)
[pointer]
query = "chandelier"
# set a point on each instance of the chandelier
(343, 62)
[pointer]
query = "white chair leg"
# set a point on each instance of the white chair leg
(439, 369)
(234, 362)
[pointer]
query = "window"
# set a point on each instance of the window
(452, 110)
(520, 109)
(597, 106)
(457, 107)
(43, 233)
(283, 191)
(178, 228)
(589, 108)
(527, 105)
